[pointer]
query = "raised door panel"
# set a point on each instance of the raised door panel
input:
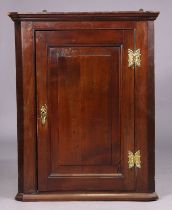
(80, 115)
(84, 80)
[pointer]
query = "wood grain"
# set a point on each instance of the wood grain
(89, 196)
(109, 109)
(85, 88)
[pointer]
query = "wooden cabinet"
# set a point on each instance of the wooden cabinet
(85, 105)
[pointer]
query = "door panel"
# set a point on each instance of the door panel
(83, 106)
(83, 78)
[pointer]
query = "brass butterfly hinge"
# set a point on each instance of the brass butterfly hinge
(134, 160)
(134, 58)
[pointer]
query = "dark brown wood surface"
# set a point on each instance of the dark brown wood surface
(87, 196)
(89, 90)
(39, 37)
(91, 16)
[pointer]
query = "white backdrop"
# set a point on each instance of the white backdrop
(163, 79)
(163, 59)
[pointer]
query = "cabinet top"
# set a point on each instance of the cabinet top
(81, 16)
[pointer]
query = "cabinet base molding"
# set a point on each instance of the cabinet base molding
(87, 196)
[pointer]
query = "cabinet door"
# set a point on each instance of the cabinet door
(85, 95)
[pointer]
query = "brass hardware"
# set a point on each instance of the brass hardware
(130, 159)
(134, 159)
(137, 159)
(43, 113)
(134, 59)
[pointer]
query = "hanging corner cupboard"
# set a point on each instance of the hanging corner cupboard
(85, 105)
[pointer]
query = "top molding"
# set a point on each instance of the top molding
(84, 16)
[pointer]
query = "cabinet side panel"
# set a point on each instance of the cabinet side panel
(19, 95)
(144, 107)
(26, 105)
(141, 107)
(151, 108)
